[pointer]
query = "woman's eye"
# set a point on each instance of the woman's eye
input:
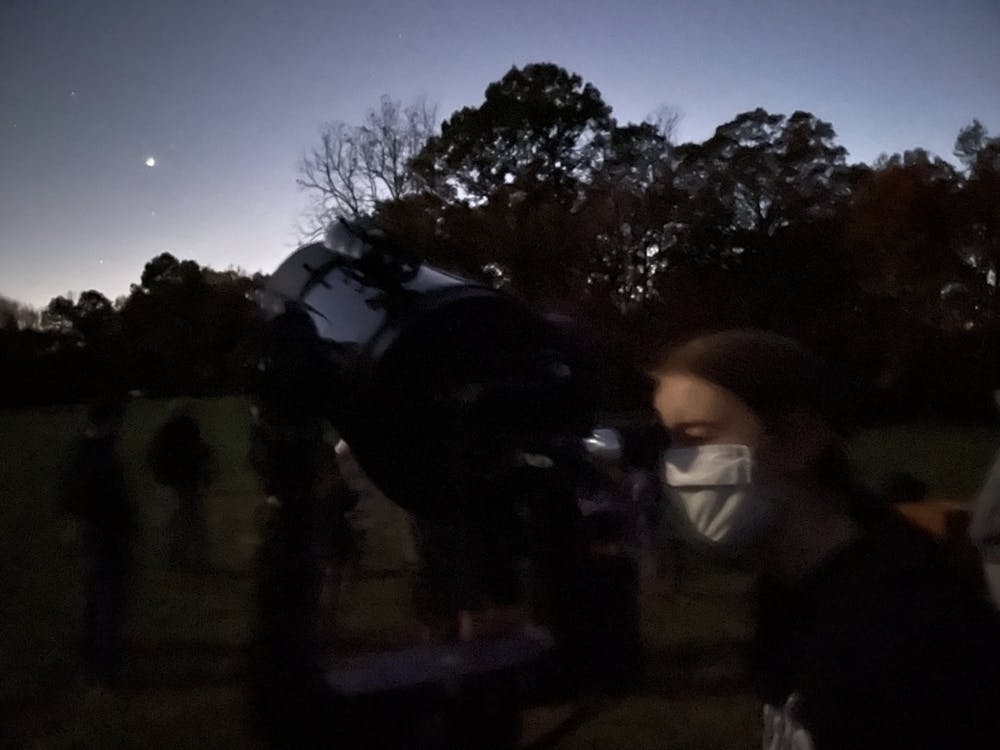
(698, 436)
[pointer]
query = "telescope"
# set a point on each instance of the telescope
(463, 406)
(436, 382)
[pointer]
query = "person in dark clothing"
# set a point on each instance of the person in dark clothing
(288, 695)
(95, 494)
(868, 636)
(181, 461)
(608, 591)
(335, 545)
(880, 646)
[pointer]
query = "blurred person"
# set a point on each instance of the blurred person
(365, 496)
(95, 493)
(656, 554)
(608, 580)
(183, 463)
(337, 546)
(468, 582)
(621, 490)
(866, 636)
(287, 692)
(663, 558)
(984, 529)
(945, 520)
(466, 596)
(446, 583)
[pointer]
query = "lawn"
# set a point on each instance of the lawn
(187, 632)
(951, 459)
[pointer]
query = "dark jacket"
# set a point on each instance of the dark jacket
(178, 457)
(94, 491)
(884, 646)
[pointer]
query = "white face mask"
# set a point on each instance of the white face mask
(712, 488)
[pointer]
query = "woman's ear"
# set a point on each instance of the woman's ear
(798, 440)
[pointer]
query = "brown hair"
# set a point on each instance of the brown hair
(773, 374)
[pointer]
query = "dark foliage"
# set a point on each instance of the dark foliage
(888, 269)
(183, 329)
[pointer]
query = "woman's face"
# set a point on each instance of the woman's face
(697, 412)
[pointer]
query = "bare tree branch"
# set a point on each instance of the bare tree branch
(666, 119)
(357, 166)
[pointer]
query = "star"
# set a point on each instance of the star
(150, 161)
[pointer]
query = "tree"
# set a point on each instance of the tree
(978, 208)
(539, 190)
(15, 315)
(165, 269)
(905, 240)
(357, 166)
(665, 120)
(59, 314)
(538, 124)
(760, 172)
(95, 315)
(628, 202)
(974, 144)
(522, 189)
(913, 290)
(92, 317)
(741, 213)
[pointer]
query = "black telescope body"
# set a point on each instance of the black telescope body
(439, 384)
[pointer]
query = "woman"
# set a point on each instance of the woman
(866, 636)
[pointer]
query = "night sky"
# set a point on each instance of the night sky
(227, 95)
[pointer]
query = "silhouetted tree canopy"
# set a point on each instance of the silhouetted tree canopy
(184, 329)
(890, 268)
(538, 123)
(16, 316)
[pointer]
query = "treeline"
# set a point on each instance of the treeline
(889, 269)
(183, 329)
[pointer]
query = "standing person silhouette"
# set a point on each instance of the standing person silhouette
(182, 462)
(95, 493)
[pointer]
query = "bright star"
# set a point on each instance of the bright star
(150, 161)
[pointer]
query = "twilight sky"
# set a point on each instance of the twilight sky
(226, 95)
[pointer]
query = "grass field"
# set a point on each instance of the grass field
(187, 632)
